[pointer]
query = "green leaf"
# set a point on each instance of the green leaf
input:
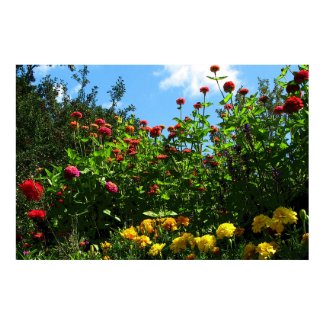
(207, 104)
(84, 140)
(228, 177)
(226, 99)
(165, 196)
(108, 212)
(150, 214)
(217, 78)
(283, 145)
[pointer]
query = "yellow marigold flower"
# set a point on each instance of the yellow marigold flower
(180, 243)
(106, 257)
(170, 224)
(190, 256)
(265, 250)
(225, 230)
(129, 233)
(277, 225)
(181, 220)
(261, 221)
(156, 249)
(206, 243)
(147, 226)
(143, 241)
(305, 237)
(105, 245)
(249, 251)
(285, 215)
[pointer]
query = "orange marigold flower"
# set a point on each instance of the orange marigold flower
(129, 233)
(147, 226)
(74, 124)
(184, 221)
(170, 224)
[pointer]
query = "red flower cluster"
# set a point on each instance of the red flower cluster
(76, 114)
(71, 172)
(278, 110)
(229, 86)
(129, 129)
(293, 105)
(105, 131)
(243, 91)
(31, 189)
(153, 190)
(111, 187)
(162, 157)
(301, 76)
(292, 88)
(214, 68)
(228, 107)
(37, 214)
(204, 89)
(155, 131)
(180, 101)
(187, 150)
(214, 129)
(197, 105)
(263, 99)
(100, 121)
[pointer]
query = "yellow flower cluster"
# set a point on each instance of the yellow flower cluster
(180, 243)
(249, 251)
(169, 224)
(281, 216)
(225, 230)
(261, 221)
(156, 249)
(105, 245)
(265, 250)
(129, 233)
(206, 243)
(147, 226)
(182, 221)
(143, 241)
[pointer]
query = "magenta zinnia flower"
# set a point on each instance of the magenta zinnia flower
(111, 187)
(105, 131)
(76, 114)
(71, 172)
(100, 121)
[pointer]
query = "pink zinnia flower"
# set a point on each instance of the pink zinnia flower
(100, 121)
(180, 101)
(76, 114)
(278, 110)
(105, 131)
(111, 187)
(71, 172)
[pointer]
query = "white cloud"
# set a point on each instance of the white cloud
(191, 77)
(43, 70)
(75, 90)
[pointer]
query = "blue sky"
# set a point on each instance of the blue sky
(153, 89)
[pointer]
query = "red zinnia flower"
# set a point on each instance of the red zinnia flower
(293, 105)
(278, 110)
(172, 135)
(143, 122)
(38, 235)
(71, 172)
(105, 131)
(129, 129)
(214, 68)
(186, 119)
(180, 101)
(214, 129)
(119, 158)
(228, 86)
(111, 187)
(197, 105)
(301, 76)
(177, 126)
(153, 190)
(31, 189)
(243, 91)
(187, 150)
(76, 114)
(291, 88)
(228, 107)
(85, 127)
(204, 89)
(37, 214)
(171, 129)
(155, 131)
(263, 99)
(161, 157)
(100, 121)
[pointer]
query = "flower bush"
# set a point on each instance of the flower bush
(191, 190)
